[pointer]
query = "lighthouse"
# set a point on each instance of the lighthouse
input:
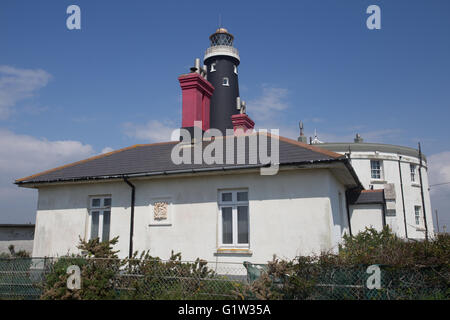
(222, 61)
(211, 92)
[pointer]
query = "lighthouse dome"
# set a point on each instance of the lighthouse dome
(222, 45)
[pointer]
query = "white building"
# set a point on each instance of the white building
(223, 210)
(218, 213)
(396, 170)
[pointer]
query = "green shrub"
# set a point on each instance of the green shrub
(104, 276)
(99, 266)
(410, 270)
(172, 279)
(373, 247)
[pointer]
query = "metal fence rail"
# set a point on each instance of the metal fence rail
(21, 278)
(26, 278)
(351, 283)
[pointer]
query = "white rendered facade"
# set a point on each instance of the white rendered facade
(295, 212)
(396, 168)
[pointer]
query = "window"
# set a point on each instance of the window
(225, 82)
(235, 69)
(213, 67)
(413, 169)
(417, 210)
(234, 218)
(100, 217)
(375, 169)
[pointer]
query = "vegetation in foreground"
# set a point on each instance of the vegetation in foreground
(409, 270)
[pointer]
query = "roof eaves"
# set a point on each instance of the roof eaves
(89, 159)
(171, 172)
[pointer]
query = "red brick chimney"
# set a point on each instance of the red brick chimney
(242, 123)
(197, 92)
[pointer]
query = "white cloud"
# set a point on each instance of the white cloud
(23, 155)
(18, 84)
(269, 104)
(152, 131)
(439, 171)
(107, 149)
(266, 109)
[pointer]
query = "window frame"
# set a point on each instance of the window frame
(234, 204)
(101, 209)
(381, 171)
(213, 67)
(413, 172)
(225, 83)
(417, 214)
(235, 69)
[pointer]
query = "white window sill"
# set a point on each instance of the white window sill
(161, 224)
(415, 184)
(233, 251)
(378, 181)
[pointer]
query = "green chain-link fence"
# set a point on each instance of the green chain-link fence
(404, 284)
(24, 278)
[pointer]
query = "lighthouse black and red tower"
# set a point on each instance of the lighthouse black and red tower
(211, 93)
(222, 61)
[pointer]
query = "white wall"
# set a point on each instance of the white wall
(411, 190)
(292, 213)
(366, 215)
(339, 209)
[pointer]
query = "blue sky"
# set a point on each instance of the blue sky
(68, 94)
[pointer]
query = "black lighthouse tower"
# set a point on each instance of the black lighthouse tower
(222, 60)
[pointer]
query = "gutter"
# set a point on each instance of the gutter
(348, 212)
(182, 171)
(133, 194)
(143, 174)
(384, 211)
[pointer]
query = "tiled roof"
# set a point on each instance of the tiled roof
(366, 197)
(156, 159)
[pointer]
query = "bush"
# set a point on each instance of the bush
(104, 276)
(373, 247)
(172, 279)
(98, 275)
(410, 270)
